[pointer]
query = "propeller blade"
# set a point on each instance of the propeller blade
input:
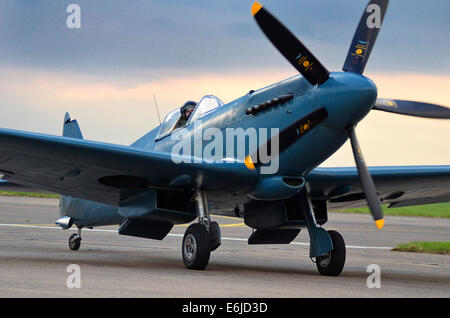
(289, 46)
(411, 108)
(366, 181)
(365, 36)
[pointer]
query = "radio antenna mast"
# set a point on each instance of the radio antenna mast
(157, 111)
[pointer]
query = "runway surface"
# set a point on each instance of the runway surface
(34, 257)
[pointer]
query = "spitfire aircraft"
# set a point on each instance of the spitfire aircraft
(146, 188)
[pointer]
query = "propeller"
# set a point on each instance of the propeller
(365, 36)
(366, 180)
(313, 71)
(411, 108)
(357, 56)
(311, 68)
(290, 47)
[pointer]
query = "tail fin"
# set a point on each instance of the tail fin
(71, 128)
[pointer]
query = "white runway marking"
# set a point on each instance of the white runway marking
(181, 235)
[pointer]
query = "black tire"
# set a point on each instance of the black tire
(196, 247)
(332, 264)
(74, 242)
(215, 237)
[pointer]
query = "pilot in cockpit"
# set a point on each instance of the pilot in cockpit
(186, 111)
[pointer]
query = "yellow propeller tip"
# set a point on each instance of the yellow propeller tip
(379, 223)
(256, 7)
(249, 163)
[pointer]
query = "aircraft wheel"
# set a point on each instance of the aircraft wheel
(196, 247)
(332, 263)
(74, 242)
(214, 236)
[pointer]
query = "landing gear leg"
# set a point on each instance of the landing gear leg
(200, 238)
(75, 240)
(328, 248)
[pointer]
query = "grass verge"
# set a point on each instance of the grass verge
(28, 194)
(437, 210)
(425, 247)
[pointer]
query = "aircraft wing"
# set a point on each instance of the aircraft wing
(103, 172)
(396, 186)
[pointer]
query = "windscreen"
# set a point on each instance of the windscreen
(168, 123)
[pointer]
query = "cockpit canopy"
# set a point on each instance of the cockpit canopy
(207, 104)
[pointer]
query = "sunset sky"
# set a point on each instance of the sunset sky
(106, 72)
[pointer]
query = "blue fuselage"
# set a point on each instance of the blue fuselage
(346, 97)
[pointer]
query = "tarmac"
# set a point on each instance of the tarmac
(35, 260)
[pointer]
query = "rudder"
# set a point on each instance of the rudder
(72, 130)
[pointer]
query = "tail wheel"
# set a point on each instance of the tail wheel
(74, 242)
(196, 247)
(332, 263)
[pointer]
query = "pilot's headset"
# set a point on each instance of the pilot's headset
(188, 104)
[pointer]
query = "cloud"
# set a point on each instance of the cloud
(148, 38)
(118, 112)
(112, 111)
(390, 139)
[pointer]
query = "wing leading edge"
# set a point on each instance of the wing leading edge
(104, 172)
(396, 186)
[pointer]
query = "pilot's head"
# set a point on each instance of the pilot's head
(187, 109)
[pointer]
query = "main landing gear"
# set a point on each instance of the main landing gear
(326, 247)
(201, 238)
(332, 263)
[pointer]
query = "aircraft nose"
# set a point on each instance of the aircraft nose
(352, 98)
